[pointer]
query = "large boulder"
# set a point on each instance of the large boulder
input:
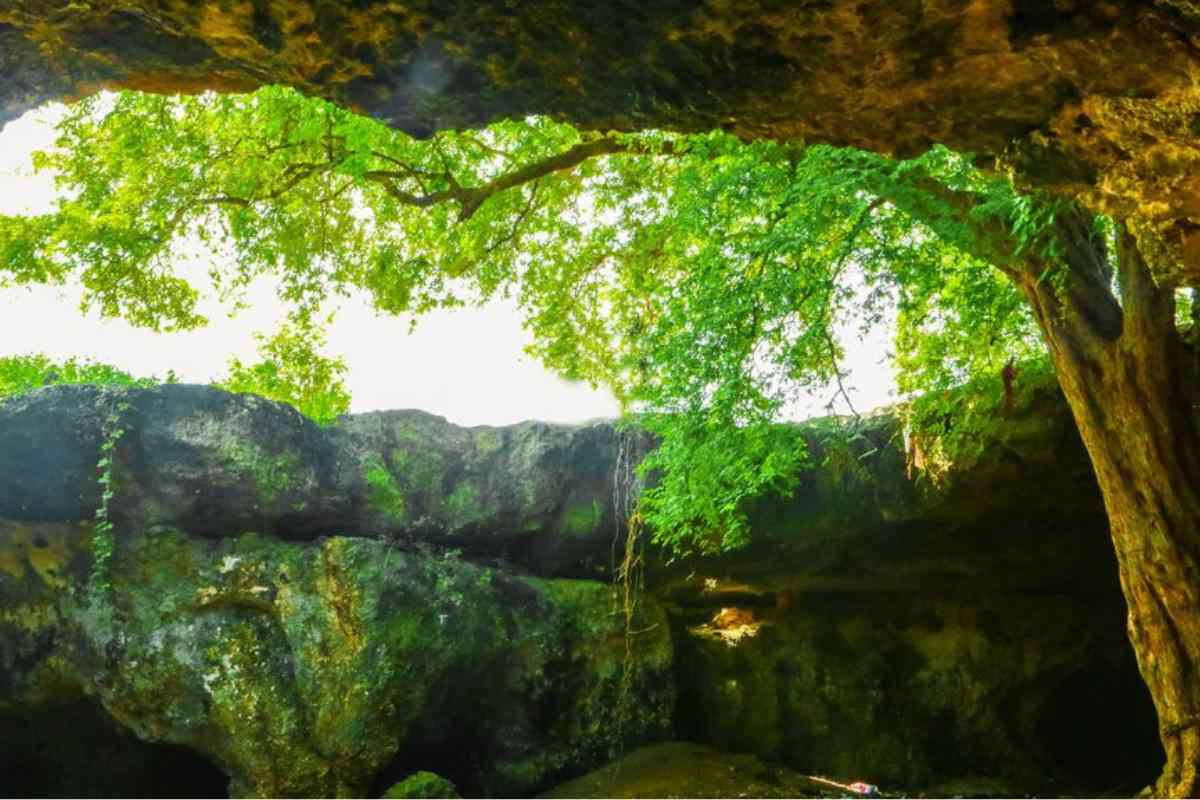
(878, 504)
(986, 499)
(533, 493)
(213, 464)
(305, 669)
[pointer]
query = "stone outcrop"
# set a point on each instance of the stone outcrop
(269, 606)
(958, 621)
(211, 463)
(1096, 100)
(1035, 692)
(881, 507)
(329, 610)
(305, 669)
(1012, 505)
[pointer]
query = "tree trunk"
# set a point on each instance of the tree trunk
(1119, 367)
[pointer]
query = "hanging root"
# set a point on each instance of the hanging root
(632, 577)
(629, 576)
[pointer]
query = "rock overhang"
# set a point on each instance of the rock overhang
(1094, 101)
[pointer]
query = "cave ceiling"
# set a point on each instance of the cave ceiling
(1093, 99)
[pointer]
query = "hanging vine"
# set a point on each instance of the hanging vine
(629, 574)
(102, 538)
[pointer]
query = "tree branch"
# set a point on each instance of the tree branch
(837, 372)
(471, 198)
(942, 209)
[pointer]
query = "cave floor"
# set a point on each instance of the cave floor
(687, 770)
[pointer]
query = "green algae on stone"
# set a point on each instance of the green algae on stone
(383, 493)
(304, 668)
(462, 505)
(422, 786)
(582, 518)
(271, 475)
(418, 470)
(488, 441)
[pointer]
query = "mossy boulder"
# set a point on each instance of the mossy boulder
(421, 785)
(189, 457)
(880, 500)
(211, 463)
(532, 493)
(983, 499)
(308, 668)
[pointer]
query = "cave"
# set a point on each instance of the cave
(452, 745)
(1088, 104)
(1098, 728)
(73, 749)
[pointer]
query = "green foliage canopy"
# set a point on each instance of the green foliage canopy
(293, 370)
(24, 373)
(709, 282)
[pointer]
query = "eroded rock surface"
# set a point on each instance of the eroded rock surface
(325, 611)
(878, 508)
(1013, 506)
(215, 464)
(1096, 100)
(308, 669)
(1036, 692)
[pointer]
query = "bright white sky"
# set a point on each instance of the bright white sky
(467, 365)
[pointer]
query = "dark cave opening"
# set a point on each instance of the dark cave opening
(1098, 729)
(451, 743)
(73, 749)
(456, 759)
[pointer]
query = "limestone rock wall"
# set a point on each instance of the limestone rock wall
(324, 611)
(215, 464)
(296, 604)
(310, 669)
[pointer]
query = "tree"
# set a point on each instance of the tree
(292, 370)
(702, 278)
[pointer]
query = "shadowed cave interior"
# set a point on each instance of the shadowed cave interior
(74, 749)
(1098, 726)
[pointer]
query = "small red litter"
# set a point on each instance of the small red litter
(858, 787)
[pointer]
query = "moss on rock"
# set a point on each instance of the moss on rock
(305, 669)
(582, 519)
(421, 785)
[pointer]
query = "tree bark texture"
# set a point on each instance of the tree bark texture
(1119, 365)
